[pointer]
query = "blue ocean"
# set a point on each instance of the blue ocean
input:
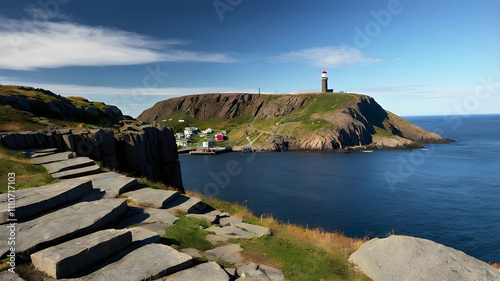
(448, 193)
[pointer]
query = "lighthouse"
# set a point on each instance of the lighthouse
(324, 82)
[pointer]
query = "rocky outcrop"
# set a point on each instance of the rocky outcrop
(150, 152)
(306, 122)
(410, 258)
(44, 103)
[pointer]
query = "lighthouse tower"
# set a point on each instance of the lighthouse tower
(324, 82)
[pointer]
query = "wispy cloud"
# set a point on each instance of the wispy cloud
(329, 56)
(28, 45)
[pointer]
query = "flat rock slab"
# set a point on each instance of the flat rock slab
(62, 225)
(251, 270)
(230, 221)
(215, 239)
(409, 258)
(192, 252)
(212, 216)
(236, 232)
(148, 262)
(186, 204)
(79, 172)
(257, 229)
(143, 236)
(209, 271)
(273, 273)
(229, 253)
(37, 200)
(149, 197)
(113, 184)
(65, 259)
(10, 276)
(69, 164)
(54, 157)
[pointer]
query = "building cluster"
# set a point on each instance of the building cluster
(209, 135)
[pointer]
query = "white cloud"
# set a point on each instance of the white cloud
(329, 56)
(28, 45)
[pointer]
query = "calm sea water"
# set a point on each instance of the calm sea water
(449, 193)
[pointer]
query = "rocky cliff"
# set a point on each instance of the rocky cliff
(44, 103)
(318, 122)
(149, 152)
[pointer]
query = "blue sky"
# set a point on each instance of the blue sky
(414, 57)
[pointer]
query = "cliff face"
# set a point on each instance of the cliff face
(303, 122)
(150, 152)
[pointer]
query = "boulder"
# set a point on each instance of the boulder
(409, 258)
(62, 225)
(34, 201)
(149, 197)
(209, 271)
(148, 262)
(65, 259)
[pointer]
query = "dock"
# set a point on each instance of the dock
(211, 151)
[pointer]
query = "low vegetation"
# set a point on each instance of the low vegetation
(27, 174)
(188, 232)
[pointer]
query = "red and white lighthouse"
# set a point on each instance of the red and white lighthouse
(324, 82)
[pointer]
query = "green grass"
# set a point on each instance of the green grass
(188, 232)
(382, 132)
(84, 103)
(27, 174)
(300, 261)
(15, 120)
(11, 90)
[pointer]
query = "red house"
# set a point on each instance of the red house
(219, 137)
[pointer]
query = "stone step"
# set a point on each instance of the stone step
(62, 225)
(113, 184)
(142, 236)
(34, 201)
(37, 152)
(148, 262)
(79, 172)
(230, 253)
(149, 197)
(54, 157)
(157, 220)
(66, 259)
(69, 164)
(186, 204)
(209, 271)
(10, 276)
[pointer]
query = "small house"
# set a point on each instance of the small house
(182, 142)
(219, 137)
(182, 121)
(207, 144)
